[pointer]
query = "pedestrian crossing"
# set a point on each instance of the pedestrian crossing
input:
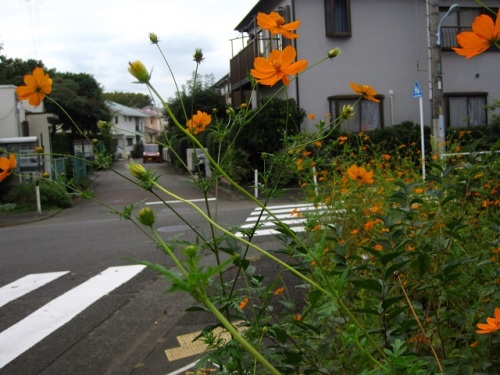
(27, 332)
(293, 215)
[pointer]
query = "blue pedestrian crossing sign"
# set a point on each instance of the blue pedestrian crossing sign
(417, 91)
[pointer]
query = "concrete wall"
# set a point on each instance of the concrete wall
(388, 50)
(9, 114)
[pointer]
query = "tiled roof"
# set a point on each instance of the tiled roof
(124, 110)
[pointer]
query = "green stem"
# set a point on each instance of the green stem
(230, 234)
(238, 337)
(169, 251)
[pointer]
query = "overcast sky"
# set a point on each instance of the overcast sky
(100, 37)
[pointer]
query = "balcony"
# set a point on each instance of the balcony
(449, 36)
(242, 63)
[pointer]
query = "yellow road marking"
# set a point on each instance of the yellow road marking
(187, 347)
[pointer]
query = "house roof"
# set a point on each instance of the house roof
(124, 110)
(247, 23)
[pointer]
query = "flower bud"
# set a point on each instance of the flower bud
(38, 150)
(95, 141)
(198, 56)
(334, 53)
(347, 112)
(154, 38)
(137, 170)
(138, 70)
(45, 174)
(190, 251)
(146, 216)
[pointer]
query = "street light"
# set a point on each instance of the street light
(450, 10)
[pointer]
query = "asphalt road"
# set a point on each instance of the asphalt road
(59, 327)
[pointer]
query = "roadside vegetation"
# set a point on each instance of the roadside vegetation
(393, 273)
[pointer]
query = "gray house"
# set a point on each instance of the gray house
(387, 44)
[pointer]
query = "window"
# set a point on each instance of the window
(368, 115)
(465, 109)
(338, 18)
(130, 141)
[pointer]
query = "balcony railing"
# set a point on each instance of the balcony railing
(449, 36)
(242, 63)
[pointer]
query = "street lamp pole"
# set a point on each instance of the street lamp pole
(436, 74)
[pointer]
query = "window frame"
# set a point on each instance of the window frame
(467, 96)
(336, 109)
(330, 19)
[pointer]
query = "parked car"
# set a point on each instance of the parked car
(151, 153)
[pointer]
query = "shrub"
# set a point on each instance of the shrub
(52, 194)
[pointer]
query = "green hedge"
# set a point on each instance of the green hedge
(52, 194)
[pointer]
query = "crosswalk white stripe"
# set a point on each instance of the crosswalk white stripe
(284, 213)
(270, 223)
(273, 218)
(286, 209)
(18, 338)
(26, 284)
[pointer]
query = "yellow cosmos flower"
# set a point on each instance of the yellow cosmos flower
(367, 92)
(199, 122)
(360, 174)
(278, 66)
(38, 84)
(7, 166)
(275, 23)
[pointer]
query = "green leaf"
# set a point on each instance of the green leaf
(391, 301)
(370, 284)
(367, 311)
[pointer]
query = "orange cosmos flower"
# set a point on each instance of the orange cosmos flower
(367, 92)
(37, 86)
(275, 23)
(199, 122)
(278, 291)
(361, 175)
(492, 324)
(484, 34)
(244, 303)
(278, 66)
(7, 165)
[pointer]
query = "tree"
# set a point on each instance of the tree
(12, 71)
(198, 94)
(81, 97)
(129, 99)
(78, 93)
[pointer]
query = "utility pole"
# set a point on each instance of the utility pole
(435, 79)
